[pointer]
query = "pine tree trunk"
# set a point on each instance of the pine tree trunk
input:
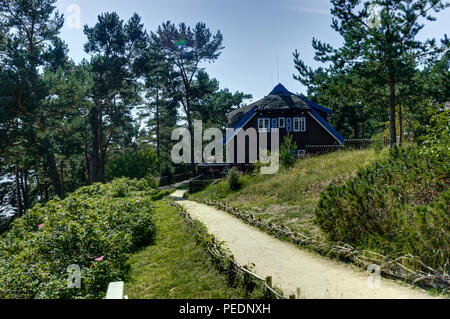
(39, 187)
(61, 168)
(392, 102)
(54, 175)
(23, 176)
(400, 122)
(158, 134)
(191, 131)
(18, 195)
(95, 167)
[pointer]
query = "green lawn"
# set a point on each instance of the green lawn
(290, 197)
(176, 266)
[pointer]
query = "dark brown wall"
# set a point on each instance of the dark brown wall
(315, 134)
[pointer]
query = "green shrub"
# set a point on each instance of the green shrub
(111, 220)
(288, 151)
(378, 145)
(398, 206)
(167, 170)
(233, 179)
(133, 165)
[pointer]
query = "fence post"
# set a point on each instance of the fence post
(269, 281)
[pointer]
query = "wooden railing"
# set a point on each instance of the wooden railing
(226, 263)
(165, 180)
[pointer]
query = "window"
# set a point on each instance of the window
(281, 122)
(299, 124)
(264, 125)
(274, 123)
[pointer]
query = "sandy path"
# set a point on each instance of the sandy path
(291, 267)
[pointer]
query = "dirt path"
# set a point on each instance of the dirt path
(291, 267)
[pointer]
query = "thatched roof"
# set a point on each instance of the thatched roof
(272, 102)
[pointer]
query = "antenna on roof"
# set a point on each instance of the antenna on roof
(278, 67)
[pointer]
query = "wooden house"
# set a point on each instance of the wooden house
(290, 113)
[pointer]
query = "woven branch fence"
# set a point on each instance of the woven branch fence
(390, 268)
(226, 263)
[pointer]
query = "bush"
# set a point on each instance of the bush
(167, 170)
(133, 165)
(288, 151)
(399, 206)
(233, 179)
(109, 221)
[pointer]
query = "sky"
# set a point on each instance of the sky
(259, 35)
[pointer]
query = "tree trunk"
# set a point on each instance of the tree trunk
(95, 167)
(23, 176)
(86, 155)
(61, 168)
(356, 130)
(45, 183)
(158, 137)
(191, 131)
(18, 195)
(392, 102)
(400, 123)
(54, 176)
(39, 187)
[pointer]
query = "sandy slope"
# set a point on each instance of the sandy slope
(291, 267)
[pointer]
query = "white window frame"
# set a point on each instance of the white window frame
(301, 121)
(284, 122)
(265, 127)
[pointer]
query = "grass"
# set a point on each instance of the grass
(290, 196)
(176, 266)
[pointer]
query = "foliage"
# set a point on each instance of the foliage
(233, 179)
(377, 63)
(212, 105)
(108, 221)
(133, 165)
(115, 48)
(177, 53)
(290, 196)
(436, 141)
(288, 151)
(186, 271)
(398, 206)
(167, 170)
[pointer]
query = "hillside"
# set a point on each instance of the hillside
(291, 196)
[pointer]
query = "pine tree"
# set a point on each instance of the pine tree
(115, 47)
(379, 47)
(181, 50)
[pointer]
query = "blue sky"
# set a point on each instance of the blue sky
(256, 33)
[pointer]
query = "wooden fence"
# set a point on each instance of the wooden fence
(165, 180)
(355, 144)
(199, 183)
(397, 268)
